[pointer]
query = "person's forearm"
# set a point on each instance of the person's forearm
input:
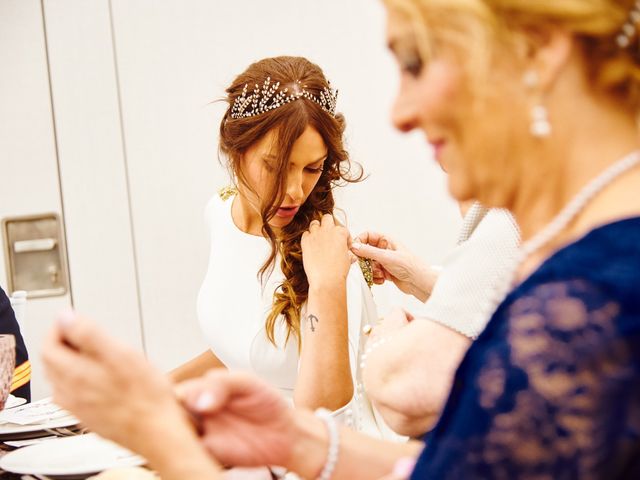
(192, 463)
(404, 383)
(359, 456)
(324, 376)
(425, 278)
(405, 407)
(404, 424)
(176, 453)
(195, 367)
(387, 365)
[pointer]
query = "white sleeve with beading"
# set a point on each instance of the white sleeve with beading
(471, 272)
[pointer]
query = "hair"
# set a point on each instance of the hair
(288, 122)
(476, 27)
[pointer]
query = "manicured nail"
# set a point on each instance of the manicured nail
(66, 317)
(204, 402)
(404, 467)
(356, 245)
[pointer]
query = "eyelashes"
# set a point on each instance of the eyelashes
(411, 64)
(315, 171)
(414, 68)
(268, 167)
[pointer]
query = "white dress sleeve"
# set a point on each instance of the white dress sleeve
(470, 273)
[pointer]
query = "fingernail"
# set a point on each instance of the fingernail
(356, 245)
(66, 317)
(404, 467)
(204, 402)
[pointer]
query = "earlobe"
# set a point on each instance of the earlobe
(550, 55)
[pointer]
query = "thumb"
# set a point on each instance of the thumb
(212, 392)
(380, 255)
(82, 334)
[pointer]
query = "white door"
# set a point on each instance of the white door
(61, 151)
(28, 162)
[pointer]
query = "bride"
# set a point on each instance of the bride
(271, 302)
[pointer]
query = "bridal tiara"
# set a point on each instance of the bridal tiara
(269, 97)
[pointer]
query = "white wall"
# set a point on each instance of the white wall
(174, 57)
(132, 83)
(92, 164)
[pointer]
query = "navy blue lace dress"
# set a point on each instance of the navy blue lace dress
(551, 389)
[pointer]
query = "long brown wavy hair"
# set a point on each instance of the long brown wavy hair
(288, 122)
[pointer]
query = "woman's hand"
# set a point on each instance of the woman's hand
(406, 385)
(245, 422)
(110, 387)
(116, 393)
(392, 261)
(325, 252)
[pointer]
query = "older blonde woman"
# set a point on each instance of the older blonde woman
(534, 104)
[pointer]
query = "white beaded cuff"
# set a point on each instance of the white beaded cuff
(334, 443)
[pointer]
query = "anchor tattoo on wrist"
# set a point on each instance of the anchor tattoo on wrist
(312, 318)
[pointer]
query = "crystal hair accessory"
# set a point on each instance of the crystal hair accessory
(630, 28)
(269, 97)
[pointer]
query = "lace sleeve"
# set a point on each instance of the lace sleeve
(550, 391)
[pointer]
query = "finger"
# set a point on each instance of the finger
(86, 337)
(328, 220)
(376, 239)
(377, 270)
(352, 258)
(77, 332)
(402, 469)
(343, 233)
(212, 392)
(369, 238)
(314, 225)
(367, 251)
(64, 366)
(399, 315)
(408, 315)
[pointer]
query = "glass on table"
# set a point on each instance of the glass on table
(7, 365)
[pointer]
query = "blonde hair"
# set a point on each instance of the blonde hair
(476, 27)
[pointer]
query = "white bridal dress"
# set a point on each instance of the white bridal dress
(233, 306)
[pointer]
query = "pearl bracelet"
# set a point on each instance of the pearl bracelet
(334, 443)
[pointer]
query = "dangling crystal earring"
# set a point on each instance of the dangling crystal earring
(540, 125)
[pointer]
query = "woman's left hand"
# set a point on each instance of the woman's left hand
(110, 387)
(325, 252)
